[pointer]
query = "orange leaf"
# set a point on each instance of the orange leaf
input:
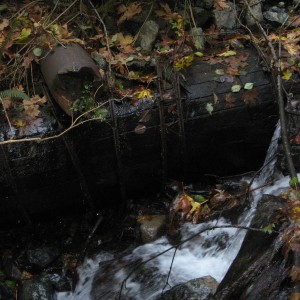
(220, 4)
(128, 12)
(229, 99)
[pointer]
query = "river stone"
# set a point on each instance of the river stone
(148, 35)
(225, 18)
(276, 14)
(39, 288)
(256, 10)
(196, 289)
(40, 257)
(153, 228)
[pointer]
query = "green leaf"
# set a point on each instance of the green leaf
(236, 88)
(24, 34)
(294, 181)
(248, 86)
(37, 52)
(199, 54)
(209, 108)
(220, 71)
(199, 198)
(10, 284)
(227, 53)
(269, 228)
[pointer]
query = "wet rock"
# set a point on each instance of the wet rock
(256, 9)
(196, 289)
(198, 37)
(148, 35)
(59, 282)
(5, 292)
(39, 288)
(208, 4)
(276, 14)
(41, 257)
(201, 15)
(11, 270)
(153, 227)
(225, 18)
(259, 262)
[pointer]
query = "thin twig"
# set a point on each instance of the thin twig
(64, 12)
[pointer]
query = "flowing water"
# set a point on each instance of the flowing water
(210, 253)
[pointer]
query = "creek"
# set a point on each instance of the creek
(111, 276)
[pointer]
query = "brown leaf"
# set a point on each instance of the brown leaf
(182, 203)
(250, 97)
(140, 129)
(7, 103)
(297, 140)
(128, 12)
(220, 4)
(216, 98)
(3, 24)
(229, 99)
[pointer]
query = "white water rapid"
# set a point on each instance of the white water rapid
(210, 253)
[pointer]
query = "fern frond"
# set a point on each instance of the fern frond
(13, 94)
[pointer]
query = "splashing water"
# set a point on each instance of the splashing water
(210, 253)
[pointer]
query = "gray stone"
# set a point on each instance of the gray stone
(148, 35)
(39, 258)
(256, 10)
(208, 4)
(198, 37)
(195, 289)
(276, 14)
(37, 289)
(153, 228)
(225, 18)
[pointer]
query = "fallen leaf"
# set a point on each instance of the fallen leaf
(236, 88)
(140, 129)
(248, 86)
(229, 99)
(287, 74)
(128, 12)
(250, 97)
(209, 107)
(227, 53)
(220, 4)
(3, 24)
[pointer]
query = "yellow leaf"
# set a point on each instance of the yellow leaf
(124, 40)
(227, 53)
(19, 123)
(287, 74)
(184, 62)
(24, 34)
(144, 93)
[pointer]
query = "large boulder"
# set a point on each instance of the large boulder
(259, 269)
(196, 289)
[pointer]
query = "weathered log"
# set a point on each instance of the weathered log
(230, 140)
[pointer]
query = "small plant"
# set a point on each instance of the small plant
(87, 102)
